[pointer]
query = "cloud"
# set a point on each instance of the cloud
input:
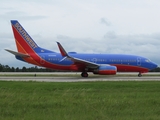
(105, 21)
(99, 27)
(110, 35)
(18, 15)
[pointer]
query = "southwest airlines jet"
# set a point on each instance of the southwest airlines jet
(102, 64)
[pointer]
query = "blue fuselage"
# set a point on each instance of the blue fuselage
(124, 63)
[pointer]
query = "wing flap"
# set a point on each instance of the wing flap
(87, 63)
(18, 53)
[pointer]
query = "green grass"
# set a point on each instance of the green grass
(80, 100)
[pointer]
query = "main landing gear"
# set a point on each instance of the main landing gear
(84, 74)
(139, 75)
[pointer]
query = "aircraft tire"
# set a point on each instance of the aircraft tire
(84, 74)
(139, 75)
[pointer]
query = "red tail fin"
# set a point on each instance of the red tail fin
(24, 42)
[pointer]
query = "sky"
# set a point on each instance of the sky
(83, 26)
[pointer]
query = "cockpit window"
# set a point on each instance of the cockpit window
(147, 60)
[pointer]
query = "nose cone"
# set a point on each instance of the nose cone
(153, 65)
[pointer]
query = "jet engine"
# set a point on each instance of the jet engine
(106, 70)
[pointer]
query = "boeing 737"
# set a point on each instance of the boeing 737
(102, 64)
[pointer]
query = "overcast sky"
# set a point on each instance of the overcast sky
(90, 26)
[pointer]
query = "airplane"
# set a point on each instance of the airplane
(102, 64)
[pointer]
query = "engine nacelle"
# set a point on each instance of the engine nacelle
(106, 70)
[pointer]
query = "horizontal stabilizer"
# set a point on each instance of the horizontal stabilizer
(17, 53)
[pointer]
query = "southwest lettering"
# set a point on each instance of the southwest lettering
(25, 36)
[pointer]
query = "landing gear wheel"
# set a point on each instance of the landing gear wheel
(139, 75)
(84, 74)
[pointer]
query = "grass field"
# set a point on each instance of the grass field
(122, 100)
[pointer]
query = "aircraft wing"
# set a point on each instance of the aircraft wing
(17, 53)
(87, 63)
(76, 60)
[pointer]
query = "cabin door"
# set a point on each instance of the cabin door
(94, 60)
(139, 61)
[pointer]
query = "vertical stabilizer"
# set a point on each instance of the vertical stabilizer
(25, 44)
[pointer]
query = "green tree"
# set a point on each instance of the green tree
(1, 68)
(17, 69)
(12, 69)
(24, 69)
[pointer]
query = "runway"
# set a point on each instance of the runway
(79, 79)
(75, 77)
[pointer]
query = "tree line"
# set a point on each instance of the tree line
(155, 70)
(6, 68)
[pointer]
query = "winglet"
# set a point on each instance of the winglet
(62, 50)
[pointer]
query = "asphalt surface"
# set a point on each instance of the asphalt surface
(80, 79)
